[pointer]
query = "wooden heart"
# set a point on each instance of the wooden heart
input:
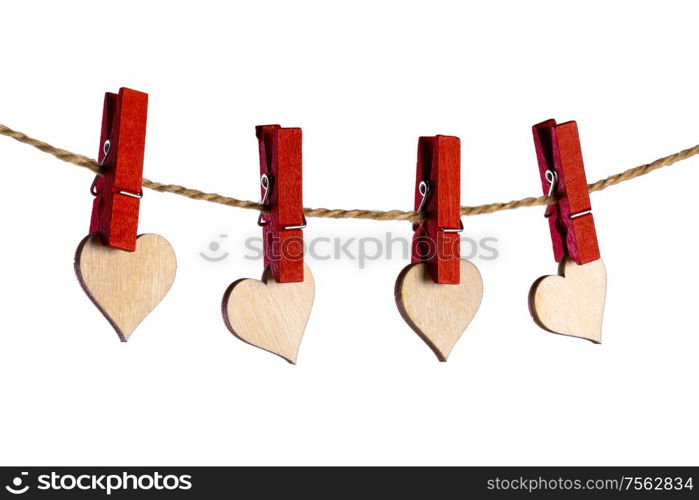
(270, 315)
(439, 314)
(126, 286)
(573, 302)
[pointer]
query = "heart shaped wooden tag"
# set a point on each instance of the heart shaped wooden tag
(126, 286)
(573, 302)
(270, 315)
(439, 314)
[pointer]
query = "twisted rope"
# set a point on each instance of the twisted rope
(195, 194)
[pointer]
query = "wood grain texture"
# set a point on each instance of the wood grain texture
(558, 149)
(281, 157)
(126, 286)
(438, 313)
(571, 303)
(270, 315)
(439, 164)
(543, 145)
(114, 214)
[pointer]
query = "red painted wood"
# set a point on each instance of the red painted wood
(439, 163)
(114, 214)
(558, 149)
(281, 158)
(543, 143)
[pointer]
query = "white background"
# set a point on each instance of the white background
(364, 80)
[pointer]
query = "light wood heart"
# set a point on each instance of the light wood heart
(573, 302)
(270, 315)
(439, 314)
(126, 286)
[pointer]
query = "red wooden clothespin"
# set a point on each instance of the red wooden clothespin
(563, 176)
(438, 197)
(281, 183)
(118, 187)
